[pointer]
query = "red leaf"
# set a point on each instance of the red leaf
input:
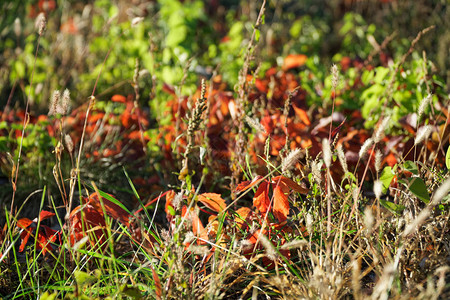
(337, 129)
(158, 289)
(24, 223)
(45, 237)
(249, 184)
(25, 235)
(87, 220)
(294, 60)
(261, 199)
(168, 89)
(45, 215)
(280, 200)
(213, 201)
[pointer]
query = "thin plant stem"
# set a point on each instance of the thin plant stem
(26, 119)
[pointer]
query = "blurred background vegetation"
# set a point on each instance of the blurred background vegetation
(197, 36)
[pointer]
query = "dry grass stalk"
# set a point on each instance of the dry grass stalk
(290, 160)
(422, 134)
(365, 147)
(341, 157)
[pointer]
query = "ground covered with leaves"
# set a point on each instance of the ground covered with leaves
(225, 150)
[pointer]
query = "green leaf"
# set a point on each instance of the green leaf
(171, 210)
(447, 158)
(83, 278)
(113, 200)
(410, 166)
(386, 178)
(132, 292)
(381, 73)
(367, 76)
(395, 208)
(417, 186)
(47, 296)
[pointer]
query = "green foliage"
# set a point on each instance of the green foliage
(386, 178)
(417, 186)
(447, 158)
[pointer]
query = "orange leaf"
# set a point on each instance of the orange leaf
(280, 201)
(24, 223)
(25, 235)
(45, 215)
(134, 135)
(170, 195)
(45, 237)
(249, 184)
(261, 199)
(213, 201)
(118, 98)
(254, 237)
(291, 184)
(293, 61)
(301, 113)
(243, 213)
(197, 226)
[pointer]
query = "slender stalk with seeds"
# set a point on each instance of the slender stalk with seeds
(239, 155)
(194, 122)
